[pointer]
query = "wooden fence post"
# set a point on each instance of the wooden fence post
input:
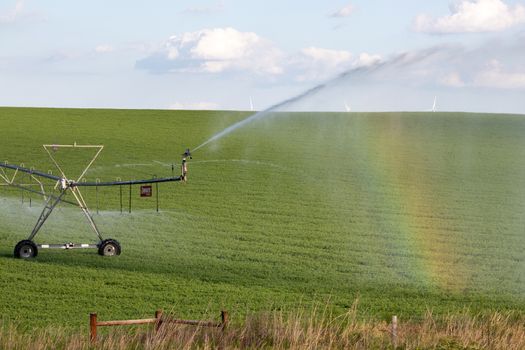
(158, 321)
(93, 327)
(224, 325)
(394, 331)
(158, 316)
(224, 320)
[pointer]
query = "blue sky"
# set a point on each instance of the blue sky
(219, 54)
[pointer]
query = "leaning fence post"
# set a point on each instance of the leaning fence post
(93, 327)
(224, 324)
(224, 319)
(158, 316)
(394, 331)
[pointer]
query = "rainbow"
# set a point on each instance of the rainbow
(417, 216)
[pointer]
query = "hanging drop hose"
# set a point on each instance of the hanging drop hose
(184, 165)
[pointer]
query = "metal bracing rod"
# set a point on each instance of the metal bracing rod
(99, 147)
(42, 194)
(132, 182)
(76, 183)
(81, 197)
(74, 146)
(20, 184)
(91, 163)
(14, 176)
(48, 209)
(29, 171)
(83, 206)
(4, 175)
(41, 186)
(33, 175)
(55, 162)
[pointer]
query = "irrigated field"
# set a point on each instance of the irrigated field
(405, 211)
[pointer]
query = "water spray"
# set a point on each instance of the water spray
(27, 248)
(401, 60)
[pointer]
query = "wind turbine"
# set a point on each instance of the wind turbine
(347, 107)
(251, 104)
(434, 105)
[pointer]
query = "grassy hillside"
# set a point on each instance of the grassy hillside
(405, 211)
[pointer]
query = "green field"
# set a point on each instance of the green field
(405, 211)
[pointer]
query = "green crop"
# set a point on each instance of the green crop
(404, 211)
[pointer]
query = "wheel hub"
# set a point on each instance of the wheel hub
(26, 252)
(109, 250)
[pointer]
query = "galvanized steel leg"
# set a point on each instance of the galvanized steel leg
(51, 203)
(83, 206)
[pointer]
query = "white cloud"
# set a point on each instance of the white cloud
(366, 60)
(225, 44)
(220, 50)
(104, 49)
(64, 55)
(76, 55)
(330, 58)
(14, 14)
(195, 105)
(316, 63)
(227, 50)
(494, 76)
(452, 79)
(473, 73)
(19, 13)
(472, 16)
(344, 11)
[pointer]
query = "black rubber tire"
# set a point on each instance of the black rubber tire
(26, 249)
(109, 247)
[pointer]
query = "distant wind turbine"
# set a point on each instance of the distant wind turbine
(434, 106)
(347, 107)
(251, 104)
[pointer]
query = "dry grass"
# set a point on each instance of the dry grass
(298, 330)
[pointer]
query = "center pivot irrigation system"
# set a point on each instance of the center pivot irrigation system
(27, 248)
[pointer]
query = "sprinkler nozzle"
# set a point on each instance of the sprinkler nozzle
(187, 153)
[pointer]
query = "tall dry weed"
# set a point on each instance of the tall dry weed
(317, 329)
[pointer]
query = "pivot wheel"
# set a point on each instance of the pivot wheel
(26, 249)
(109, 247)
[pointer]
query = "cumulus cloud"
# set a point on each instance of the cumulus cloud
(452, 80)
(13, 14)
(343, 12)
(494, 76)
(365, 60)
(316, 63)
(104, 49)
(215, 51)
(472, 16)
(227, 51)
(195, 105)
(474, 69)
(75, 54)
(19, 14)
(331, 58)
